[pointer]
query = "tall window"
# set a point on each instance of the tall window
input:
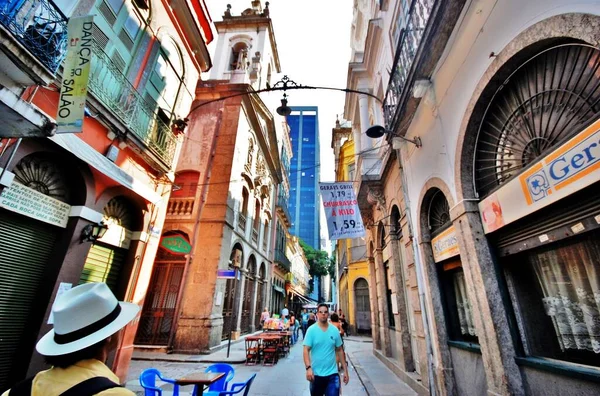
(556, 293)
(388, 290)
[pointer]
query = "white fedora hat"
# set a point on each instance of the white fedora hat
(83, 316)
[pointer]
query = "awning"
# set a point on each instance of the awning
(87, 154)
(306, 299)
(279, 289)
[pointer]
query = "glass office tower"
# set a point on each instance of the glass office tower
(304, 174)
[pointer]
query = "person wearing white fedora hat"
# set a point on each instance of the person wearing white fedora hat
(87, 320)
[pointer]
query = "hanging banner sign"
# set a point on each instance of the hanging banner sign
(73, 91)
(445, 245)
(570, 168)
(31, 203)
(176, 244)
(341, 211)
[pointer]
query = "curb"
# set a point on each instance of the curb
(362, 376)
(165, 359)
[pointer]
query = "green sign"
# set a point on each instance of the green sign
(176, 244)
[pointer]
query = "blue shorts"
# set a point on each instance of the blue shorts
(325, 386)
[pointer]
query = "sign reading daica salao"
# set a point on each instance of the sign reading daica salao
(34, 204)
(569, 168)
(341, 211)
(75, 76)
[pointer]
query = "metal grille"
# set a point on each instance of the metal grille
(159, 307)
(546, 100)
(119, 61)
(126, 40)
(103, 264)
(99, 37)
(25, 246)
(43, 176)
(107, 13)
(438, 215)
(259, 304)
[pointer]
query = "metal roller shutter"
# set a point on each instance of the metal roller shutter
(103, 264)
(25, 246)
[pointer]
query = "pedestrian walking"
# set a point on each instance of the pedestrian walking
(304, 322)
(311, 321)
(285, 312)
(87, 322)
(264, 316)
(293, 327)
(322, 351)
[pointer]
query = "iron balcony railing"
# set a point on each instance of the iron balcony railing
(410, 39)
(282, 205)
(110, 86)
(39, 26)
(282, 259)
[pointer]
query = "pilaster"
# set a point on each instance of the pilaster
(485, 294)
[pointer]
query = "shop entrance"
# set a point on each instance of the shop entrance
(159, 306)
(363, 308)
(25, 247)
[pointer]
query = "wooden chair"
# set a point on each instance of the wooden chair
(270, 351)
(252, 351)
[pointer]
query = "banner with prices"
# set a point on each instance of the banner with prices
(341, 210)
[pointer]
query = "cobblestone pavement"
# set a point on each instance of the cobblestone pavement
(285, 378)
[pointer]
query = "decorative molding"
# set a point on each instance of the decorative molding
(376, 197)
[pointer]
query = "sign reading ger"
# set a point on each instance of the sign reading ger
(570, 168)
(445, 245)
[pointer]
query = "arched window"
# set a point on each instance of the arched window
(239, 56)
(438, 213)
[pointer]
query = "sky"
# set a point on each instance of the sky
(313, 41)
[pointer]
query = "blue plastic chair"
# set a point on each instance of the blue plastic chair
(243, 386)
(148, 382)
(221, 385)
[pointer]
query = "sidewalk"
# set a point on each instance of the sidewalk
(368, 375)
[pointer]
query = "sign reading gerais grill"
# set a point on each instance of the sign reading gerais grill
(341, 210)
(73, 92)
(570, 168)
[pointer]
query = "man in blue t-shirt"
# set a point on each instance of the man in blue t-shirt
(322, 343)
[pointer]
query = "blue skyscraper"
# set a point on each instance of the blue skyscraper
(304, 174)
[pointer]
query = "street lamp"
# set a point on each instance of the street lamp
(93, 232)
(284, 85)
(377, 131)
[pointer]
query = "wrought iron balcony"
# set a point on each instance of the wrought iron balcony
(39, 26)
(282, 207)
(282, 260)
(110, 86)
(410, 39)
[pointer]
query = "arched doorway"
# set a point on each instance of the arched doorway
(260, 285)
(235, 259)
(107, 256)
(362, 304)
(42, 185)
(249, 284)
(165, 285)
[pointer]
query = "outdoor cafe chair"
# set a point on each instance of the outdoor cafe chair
(243, 386)
(221, 385)
(148, 382)
(252, 350)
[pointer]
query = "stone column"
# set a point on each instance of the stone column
(402, 327)
(485, 294)
(253, 307)
(237, 307)
(363, 106)
(374, 306)
(384, 334)
(444, 376)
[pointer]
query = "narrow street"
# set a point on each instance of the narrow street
(368, 375)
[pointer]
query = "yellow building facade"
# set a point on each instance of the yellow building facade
(352, 265)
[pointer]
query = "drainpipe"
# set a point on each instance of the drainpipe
(189, 258)
(420, 286)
